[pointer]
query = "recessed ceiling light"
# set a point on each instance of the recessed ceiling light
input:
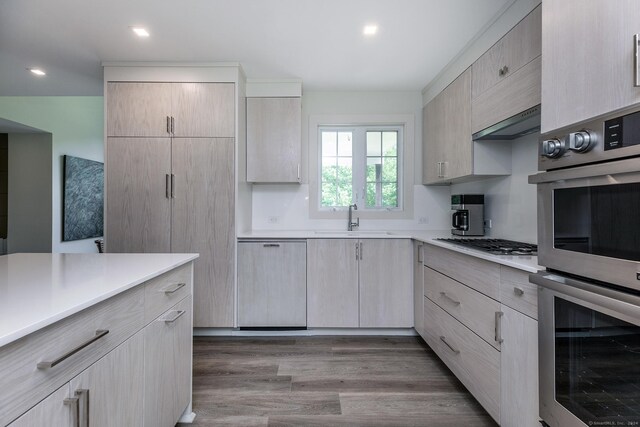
(140, 32)
(370, 30)
(37, 71)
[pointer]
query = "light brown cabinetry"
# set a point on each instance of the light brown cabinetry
(273, 139)
(587, 71)
(175, 193)
(448, 149)
(137, 109)
(359, 283)
(101, 366)
(418, 287)
(506, 79)
(167, 365)
(476, 320)
(332, 283)
(272, 284)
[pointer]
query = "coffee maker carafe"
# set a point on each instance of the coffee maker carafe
(467, 218)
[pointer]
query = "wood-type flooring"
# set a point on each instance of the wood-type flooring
(327, 381)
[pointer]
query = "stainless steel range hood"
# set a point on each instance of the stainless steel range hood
(521, 124)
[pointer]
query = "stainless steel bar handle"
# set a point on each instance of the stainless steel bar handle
(498, 327)
(518, 291)
(172, 126)
(174, 318)
(443, 339)
(444, 295)
(173, 186)
(636, 60)
(420, 260)
(169, 125)
(75, 409)
(99, 334)
(83, 394)
(439, 169)
(357, 251)
(360, 249)
(167, 186)
(444, 169)
(173, 288)
(271, 245)
(298, 171)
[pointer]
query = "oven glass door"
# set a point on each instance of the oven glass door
(598, 220)
(597, 365)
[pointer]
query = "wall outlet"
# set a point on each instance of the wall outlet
(423, 220)
(487, 223)
(273, 219)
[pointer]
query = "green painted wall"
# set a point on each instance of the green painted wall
(76, 124)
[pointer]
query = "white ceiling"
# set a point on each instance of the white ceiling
(318, 41)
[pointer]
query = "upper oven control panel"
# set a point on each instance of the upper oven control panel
(607, 138)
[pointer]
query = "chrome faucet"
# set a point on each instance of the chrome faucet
(352, 224)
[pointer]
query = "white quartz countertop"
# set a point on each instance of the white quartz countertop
(37, 290)
(526, 263)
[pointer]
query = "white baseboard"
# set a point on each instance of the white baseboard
(230, 332)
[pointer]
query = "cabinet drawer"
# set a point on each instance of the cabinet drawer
(24, 383)
(473, 309)
(517, 292)
(473, 361)
(481, 275)
(163, 292)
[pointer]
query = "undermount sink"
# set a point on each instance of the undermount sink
(355, 233)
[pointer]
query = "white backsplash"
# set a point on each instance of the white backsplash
(510, 202)
(286, 207)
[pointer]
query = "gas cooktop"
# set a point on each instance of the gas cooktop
(496, 246)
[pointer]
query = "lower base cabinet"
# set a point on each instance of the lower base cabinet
(57, 410)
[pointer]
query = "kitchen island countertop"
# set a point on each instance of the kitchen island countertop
(37, 290)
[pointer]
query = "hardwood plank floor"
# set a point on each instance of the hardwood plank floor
(327, 381)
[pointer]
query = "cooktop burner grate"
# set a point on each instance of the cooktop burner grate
(496, 246)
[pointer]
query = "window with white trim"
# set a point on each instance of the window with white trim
(362, 165)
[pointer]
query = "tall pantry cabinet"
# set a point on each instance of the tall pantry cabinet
(170, 184)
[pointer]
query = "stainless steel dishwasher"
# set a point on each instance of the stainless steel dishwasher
(272, 284)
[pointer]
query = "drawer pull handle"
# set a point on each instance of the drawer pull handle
(498, 327)
(271, 245)
(83, 395)
(75, 409)
(174, 318)
(449, 345)
(173, 288)
(99, 334)
(444, 295)
(518, 291)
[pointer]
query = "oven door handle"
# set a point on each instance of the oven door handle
(620, 302)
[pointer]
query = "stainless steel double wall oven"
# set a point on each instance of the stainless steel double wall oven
(589, 300)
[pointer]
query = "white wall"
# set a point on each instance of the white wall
(29, 193)
(510, 202)
(286, 206)
(76, 126)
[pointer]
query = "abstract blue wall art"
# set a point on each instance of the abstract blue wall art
(83, 199)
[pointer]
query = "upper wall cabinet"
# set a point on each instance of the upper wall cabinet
(168, 109)
(588, 68)
(449, 154)
(506, 79)
(273, 139)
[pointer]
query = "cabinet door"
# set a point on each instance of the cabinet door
(332, 283)
(587, 71)
(203, 110)
(519, 369)
(273, 139)
(272, 284)
(203, 221)
(113, 387)
(138, 212)
(517, 48)
(432, 140)
(418, 288)
(51, 412)
(167, 365)
(138, 109)
(457, 143)
(386, 288)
